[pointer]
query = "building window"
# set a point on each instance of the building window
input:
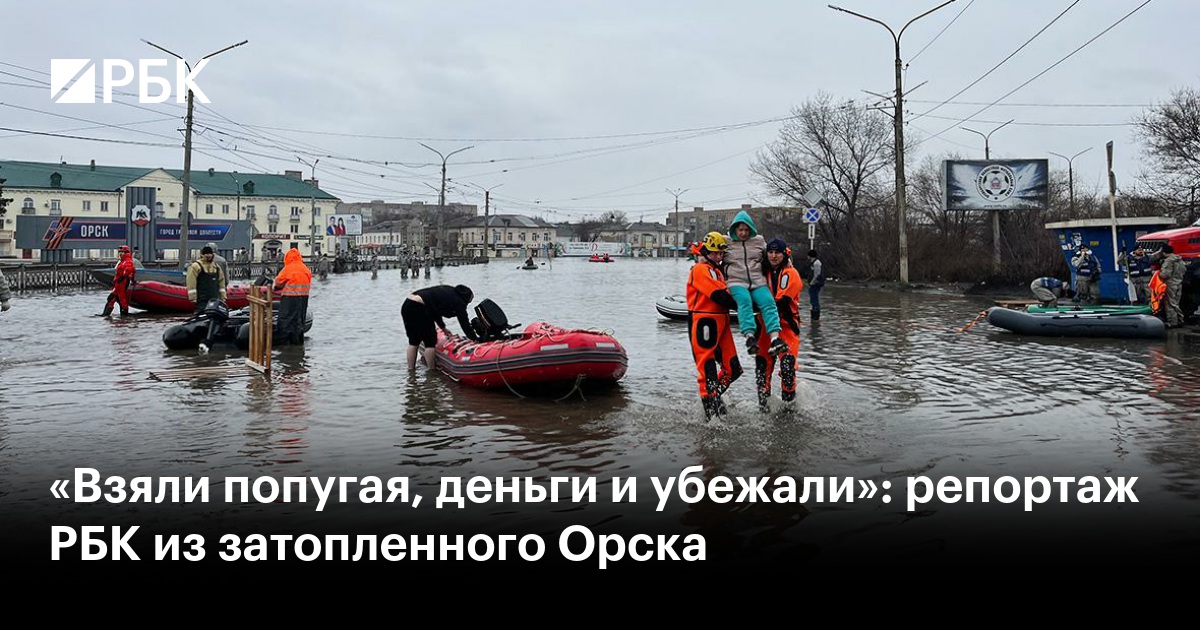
(55, 207)
(87, 205)
(509, 237)
(224, 208)
(103, 206)
(271, 227)
(521, 236)
(208, 208)
(295, 229)
(545, 236)
(27, 203)
(158, 209)
(296, 211)
(317, 211)
(249, 213)
(535, 237)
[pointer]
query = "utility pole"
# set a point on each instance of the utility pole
(987, 155)
(237, 186)
(1071, 174)
(312, 210)
(184, 255)
(487, 202)
(441, 219)
(898, 124)
(678, 254)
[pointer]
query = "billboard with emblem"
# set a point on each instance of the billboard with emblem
(996, 184)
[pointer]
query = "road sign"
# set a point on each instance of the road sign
(812, 232)
(812, 215)
(812, 197)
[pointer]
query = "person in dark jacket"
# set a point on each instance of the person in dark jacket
(815, 283)
(424, 309)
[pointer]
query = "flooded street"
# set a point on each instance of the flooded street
(889, 389)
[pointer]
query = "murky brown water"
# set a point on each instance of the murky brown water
(890, 389)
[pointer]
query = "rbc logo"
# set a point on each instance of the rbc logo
(74, 80)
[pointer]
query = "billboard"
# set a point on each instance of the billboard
(344, 225)
(996, 184)
(575, 248)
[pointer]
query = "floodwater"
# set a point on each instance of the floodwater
(890, 390)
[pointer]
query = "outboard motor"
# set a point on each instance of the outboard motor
(491, 323)
(217, 313)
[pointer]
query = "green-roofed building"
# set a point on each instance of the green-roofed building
(282, 208)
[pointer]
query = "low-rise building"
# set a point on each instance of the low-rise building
(697, 222)
(279, 208)
(502, 236)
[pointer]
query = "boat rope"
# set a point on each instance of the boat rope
(978, 318)
(577, 388)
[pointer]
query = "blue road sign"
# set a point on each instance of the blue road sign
(812, 215)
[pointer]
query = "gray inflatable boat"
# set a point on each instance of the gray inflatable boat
(1077, 324)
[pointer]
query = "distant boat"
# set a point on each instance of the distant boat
(166, 276)
(675, 307)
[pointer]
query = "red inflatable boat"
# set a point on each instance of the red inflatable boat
(172, 298)
(600, 258)
(543, 356)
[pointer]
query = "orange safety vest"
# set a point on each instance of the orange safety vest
(1158, 294)
(295, 279)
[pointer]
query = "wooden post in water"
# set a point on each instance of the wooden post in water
(261, 328)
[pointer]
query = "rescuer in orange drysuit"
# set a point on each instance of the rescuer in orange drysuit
(785, 284)
(292, 284)
(122, 281)
(709, 302)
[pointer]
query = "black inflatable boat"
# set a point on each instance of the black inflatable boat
(1067, 324)
(218, 326)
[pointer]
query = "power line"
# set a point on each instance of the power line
(1051, 67)
(935, 37)
(1002, 61)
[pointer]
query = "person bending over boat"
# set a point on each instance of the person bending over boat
(424, 309)
(709, 331)
(1049, 290)
(122, 282)
(205, 280)
(785, 284)
(293, 284)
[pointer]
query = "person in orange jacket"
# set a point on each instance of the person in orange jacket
(785, 283)
(709, 331)
(292, 284)
(122, 281)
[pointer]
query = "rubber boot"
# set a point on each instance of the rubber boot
(762, 383)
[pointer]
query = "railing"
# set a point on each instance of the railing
(54, 276)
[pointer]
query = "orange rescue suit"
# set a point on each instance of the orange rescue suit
(713, 348)
(1158, 295)
(785, 284)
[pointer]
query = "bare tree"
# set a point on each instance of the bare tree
(841, 151)
(1171, 134)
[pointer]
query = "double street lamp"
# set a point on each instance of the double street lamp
(184, 255)
(898, 128)
(1071, 174)
(987, 155)
(441, 221)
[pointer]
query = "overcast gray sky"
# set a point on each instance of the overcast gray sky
(578, 107)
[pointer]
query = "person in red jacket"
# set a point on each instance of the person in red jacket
(709, 302)
(122, 281)
(785, 285)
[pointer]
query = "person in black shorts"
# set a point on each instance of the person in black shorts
(425, 308)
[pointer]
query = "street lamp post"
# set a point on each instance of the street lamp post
(187, 153)
(676, 193)
(1071, 175)
(898, 127)
(312, 209)
(987, 155)
(442, 195)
